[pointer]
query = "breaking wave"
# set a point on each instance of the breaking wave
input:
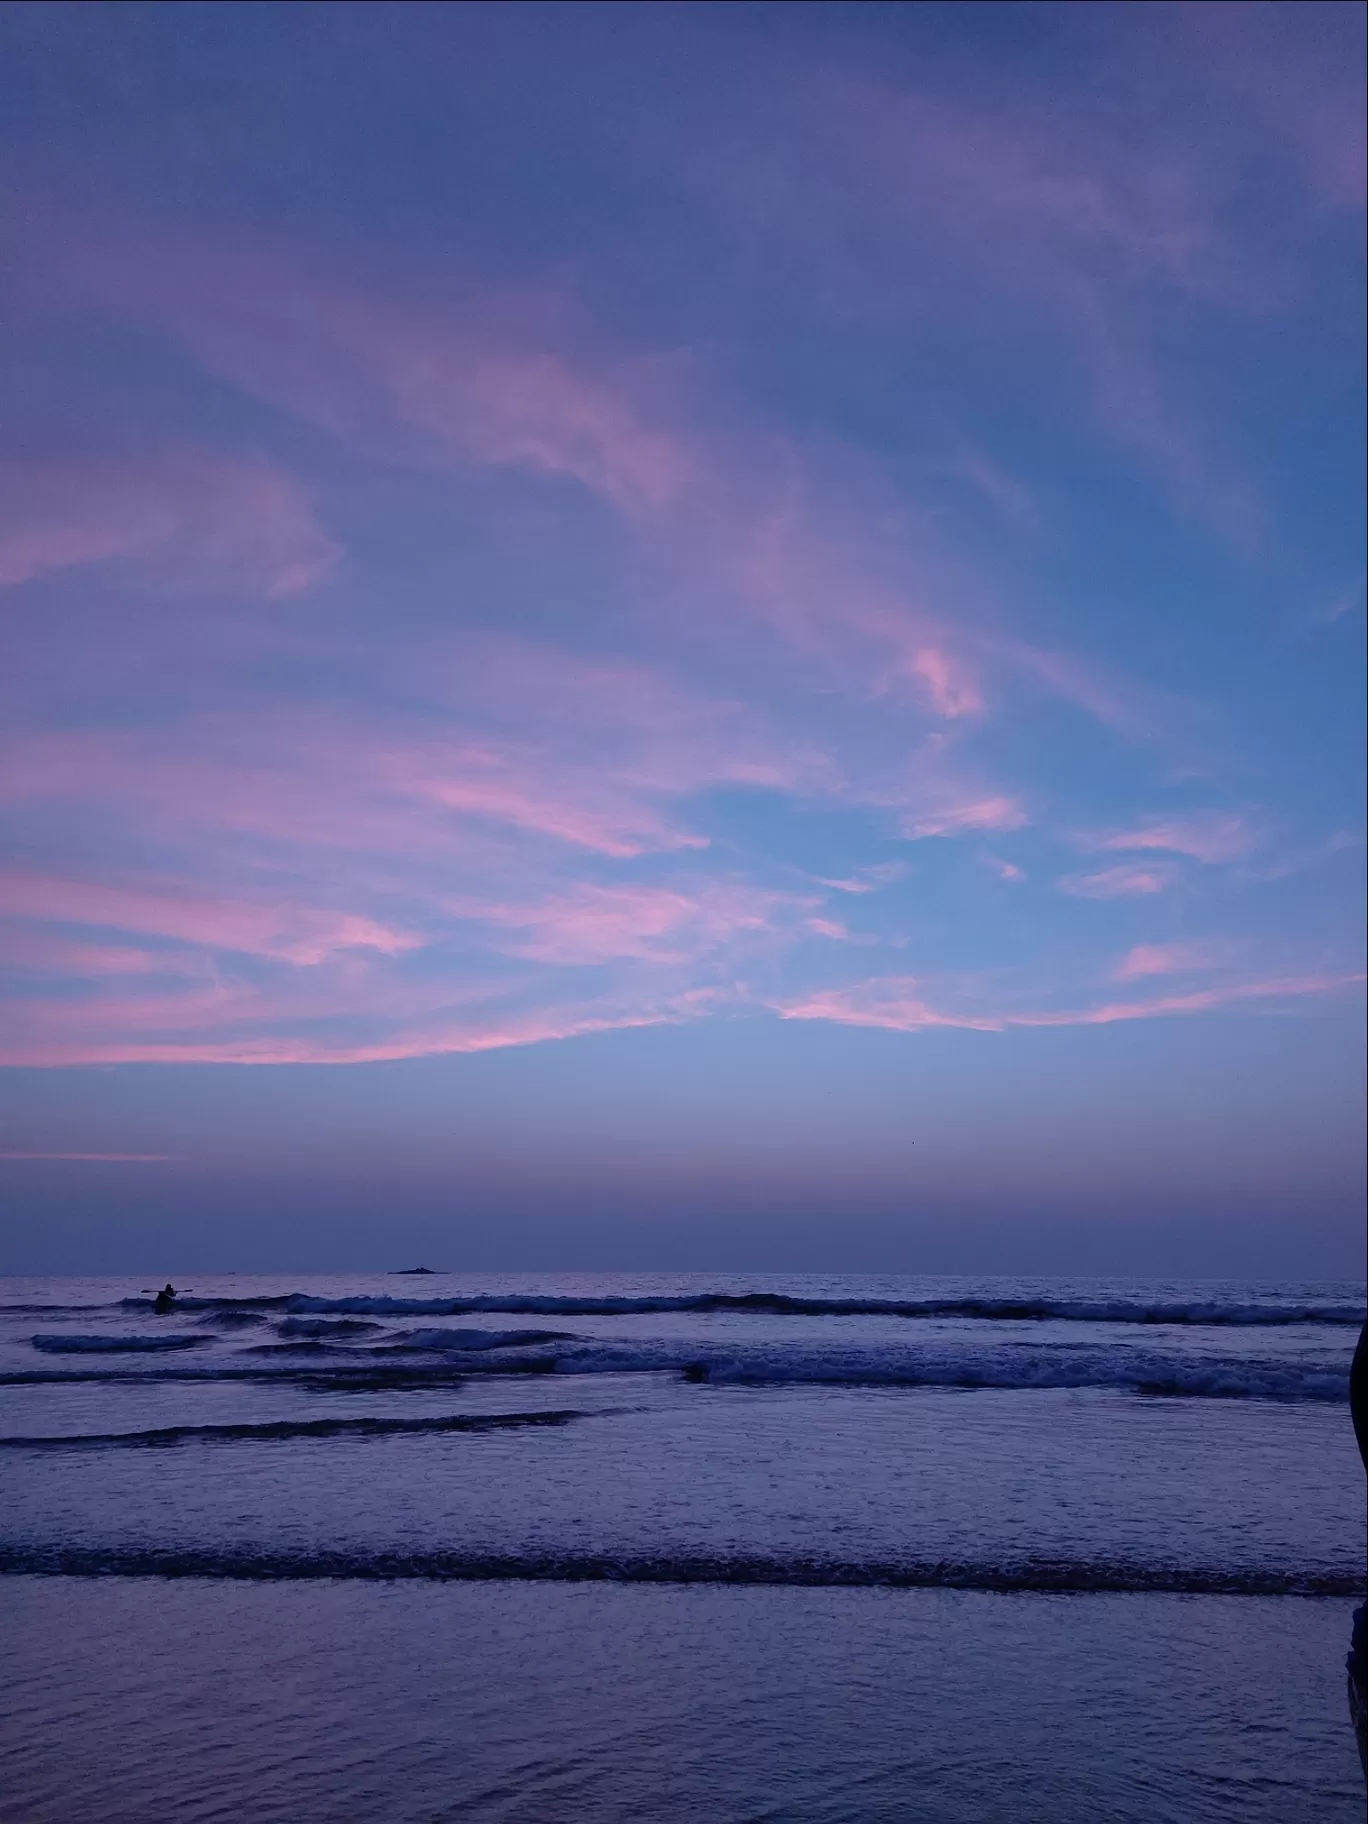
(484, 1339)
(1128, 1372)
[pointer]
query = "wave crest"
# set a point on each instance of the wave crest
(780, 1304)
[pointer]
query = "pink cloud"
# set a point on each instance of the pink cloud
(1007, 870)
(1123, 882)
(536, 744)
(846, 886)
(1107, 699)
(1203, 1000)
(481, 381)
(893, 1002)
(827, 927)
(952, 691)
(544, 415)
(801, 561)
(898, 1004)
(1060, 198)
(1301, 89)
(995, 813)
(867, 880)
(43, 951)
(212, 1030)
(600, 816)
(1082, 216)
(1211, 837)
(239, 519)
(299, 934)
(1169, 959)
(649, 923)
(741, 521)
(353, 1003)
(511, 766)
(46, 1042)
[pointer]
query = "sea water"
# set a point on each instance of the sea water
(735, 1547)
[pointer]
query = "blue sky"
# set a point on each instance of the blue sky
(617, 613)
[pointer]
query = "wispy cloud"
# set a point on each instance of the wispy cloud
(900, 1004)
(597, 924)
(1091, 221)
(1348, 601)
(227, 520)
(1209, 837)
(1005, 870)
(299, 934)
(425, 383)
(1010, 499)
(994, 813)
(1170, 959)
(1124, 882)
(48, 1043)
(867, 880)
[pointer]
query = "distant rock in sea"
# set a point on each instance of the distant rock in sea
(399, 1271)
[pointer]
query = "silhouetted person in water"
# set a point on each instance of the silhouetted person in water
(165, 1300)
(1357, 1662)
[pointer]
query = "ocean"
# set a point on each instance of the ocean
(718, 1547)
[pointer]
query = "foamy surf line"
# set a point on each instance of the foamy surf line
(782, 1304)
(1151, 1378)
(1043, 1372)
(1035, 1576)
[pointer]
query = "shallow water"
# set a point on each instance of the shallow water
(525, 1703)
(216, 1521)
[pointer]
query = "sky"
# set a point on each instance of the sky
(686, 637)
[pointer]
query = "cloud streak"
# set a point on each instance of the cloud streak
(215, 520)
(1211, 838)
(899, 1004)
(301, 935)
(1125, 882)
(1145, 960)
